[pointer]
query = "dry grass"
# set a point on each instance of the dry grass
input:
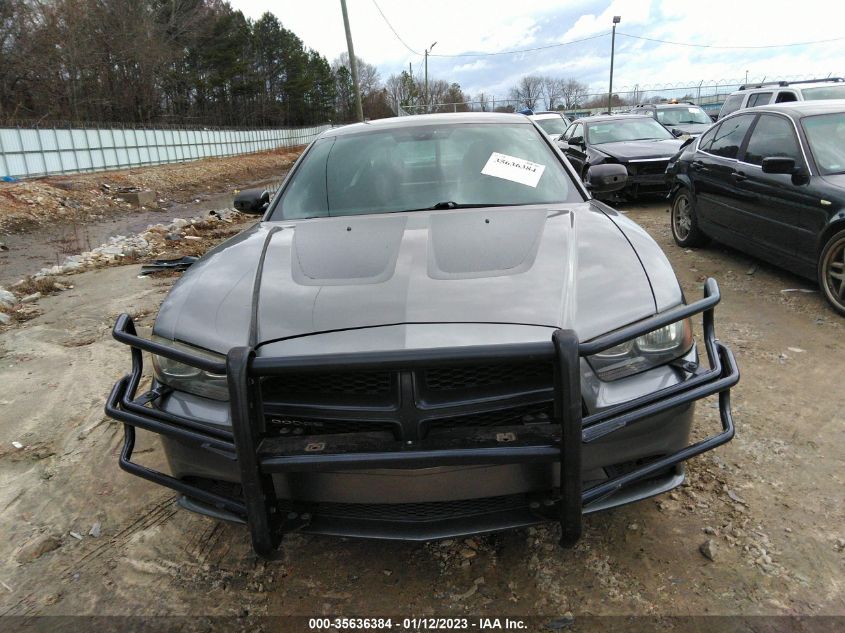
(31, 285)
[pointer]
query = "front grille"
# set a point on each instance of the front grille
(404, 402)
(532, 414)
(475, 376)
(651, 168)
(419, 512)
(306, 385)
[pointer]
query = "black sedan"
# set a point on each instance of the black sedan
(639, 143)
(770, 181)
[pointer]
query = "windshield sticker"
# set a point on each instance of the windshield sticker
(514, 169)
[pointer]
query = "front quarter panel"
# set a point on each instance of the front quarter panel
(210, 305)
(664, 284)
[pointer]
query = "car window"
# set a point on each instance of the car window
(826, 138)
(629, 129)
(727, 141)
(707, 138)
(415, 167)
(568, 133)
(785, 96)
(682, 115)
(731, 104)
(553, 126)
(772, 136)
(824, 92)
(577, 130)
(761, 98)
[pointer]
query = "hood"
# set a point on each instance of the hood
(627, 150)
(566, 266)
(837, 180)
(693, 129)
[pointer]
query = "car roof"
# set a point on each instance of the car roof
(799, 109)
(449, 118)
(614, 117)
(548, 114)
(680, 104)
(783, 85)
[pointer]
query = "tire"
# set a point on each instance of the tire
(684, 221)
(832, 271)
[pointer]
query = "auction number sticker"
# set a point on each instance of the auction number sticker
(514, 169)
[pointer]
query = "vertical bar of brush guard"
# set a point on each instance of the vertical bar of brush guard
(568, 413)
(259, 496)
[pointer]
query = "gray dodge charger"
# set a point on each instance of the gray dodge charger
(433, 331)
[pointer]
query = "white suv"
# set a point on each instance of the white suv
(782, 92)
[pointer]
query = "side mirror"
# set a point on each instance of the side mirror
(576, 140)
(677, 133)
(606, 178)
(778, 165)
(252, 200)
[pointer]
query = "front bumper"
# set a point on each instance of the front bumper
(647, 177)
(259, 457)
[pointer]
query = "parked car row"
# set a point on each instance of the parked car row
(770, 181)
(767, 179)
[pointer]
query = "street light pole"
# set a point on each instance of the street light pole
(353, 63)
(616, 20)
(427, 51)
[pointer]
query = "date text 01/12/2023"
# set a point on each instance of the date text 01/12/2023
(418, 624)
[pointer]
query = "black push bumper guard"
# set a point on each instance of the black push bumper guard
(258, 505)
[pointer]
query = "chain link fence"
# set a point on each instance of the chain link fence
(27, 152)
(708, 93)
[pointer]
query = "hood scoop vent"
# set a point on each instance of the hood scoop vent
(484, 244)
(346, 250)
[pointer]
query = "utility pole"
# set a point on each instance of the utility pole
(353, 63)
(616, 20)
(427, 51)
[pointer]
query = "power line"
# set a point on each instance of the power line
(651, 39)
(398, 37)
(522, 50)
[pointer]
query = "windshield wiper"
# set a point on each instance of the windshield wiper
(451, 204)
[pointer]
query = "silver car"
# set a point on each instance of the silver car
(434, 331)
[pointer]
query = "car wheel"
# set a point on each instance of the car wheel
(685, 222)
(832, 271)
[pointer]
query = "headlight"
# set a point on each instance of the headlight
(191, 379)
(651, 350)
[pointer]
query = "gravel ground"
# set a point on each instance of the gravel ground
(756, 530)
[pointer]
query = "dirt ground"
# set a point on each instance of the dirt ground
(771, 501)
(82, 198)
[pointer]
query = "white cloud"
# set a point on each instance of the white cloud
(471, 66)
(632, 12)
(469, 26)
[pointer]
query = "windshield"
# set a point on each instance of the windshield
(553, 127)
(411, 168)
(826, 137)
(633, 129)
(682, 115)
(825, 92)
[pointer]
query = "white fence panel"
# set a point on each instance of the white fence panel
(28, 152)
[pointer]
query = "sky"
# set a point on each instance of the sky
(462, 28)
